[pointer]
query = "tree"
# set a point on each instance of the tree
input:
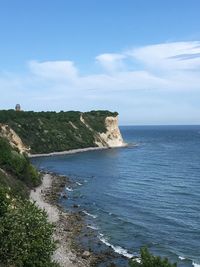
(25, 235)
(149, 260)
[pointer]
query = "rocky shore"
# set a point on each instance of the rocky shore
(71, 151)
(71, 228)
(74, 151)
(46, 196)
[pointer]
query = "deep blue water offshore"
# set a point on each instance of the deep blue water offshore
(148, 194)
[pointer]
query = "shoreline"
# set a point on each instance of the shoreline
(63, 255)
(73, 151)
(71, 227)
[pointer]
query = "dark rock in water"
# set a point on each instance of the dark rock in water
(64, 196)
(75, 206)
(86, 254)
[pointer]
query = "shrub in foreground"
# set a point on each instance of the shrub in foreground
(149, 260)
(25, 234)
(17, 164)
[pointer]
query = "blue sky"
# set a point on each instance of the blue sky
(139, 57)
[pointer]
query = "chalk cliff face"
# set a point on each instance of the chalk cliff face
(14, 140)
(112, 137)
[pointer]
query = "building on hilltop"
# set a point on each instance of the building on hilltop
(18, 107)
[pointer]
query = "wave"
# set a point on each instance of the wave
(92, 227)
(69, 189)
(194, 264)
(181, 258)
(117, 249)
(78, 183)
(89, 214)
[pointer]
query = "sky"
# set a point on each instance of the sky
(138, 57)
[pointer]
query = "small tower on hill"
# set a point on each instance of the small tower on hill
(18, 107)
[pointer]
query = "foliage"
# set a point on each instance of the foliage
(96, 119)
(16, 186)
(149, 260)
(46, 132)
(17, 164)
(5, 200)
(25, 234)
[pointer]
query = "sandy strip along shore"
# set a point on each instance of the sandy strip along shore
(72, 151)
(63, 255)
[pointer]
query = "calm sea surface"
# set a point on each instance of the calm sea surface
(148, 194)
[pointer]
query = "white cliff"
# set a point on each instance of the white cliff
(112, 137)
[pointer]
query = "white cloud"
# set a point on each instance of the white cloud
(54, 69)
(168, 56)
(148, 70)
(111, 62)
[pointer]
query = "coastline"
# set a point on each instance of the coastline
(63, 254)
(73, 151)
(71, 227)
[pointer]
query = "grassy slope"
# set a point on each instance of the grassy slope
(46, 132)
(25, 234)
(16, 171)
(17, 187)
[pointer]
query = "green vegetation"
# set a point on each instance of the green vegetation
(149, 260)
(17, 187)
(25, 234)
(17, 164)
(96, 119)
(46, 132)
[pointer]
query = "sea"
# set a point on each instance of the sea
(145, 194)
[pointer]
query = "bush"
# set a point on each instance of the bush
(17, 164)
(25, 235)
(149, 260)
(4, 200)
(17, 187)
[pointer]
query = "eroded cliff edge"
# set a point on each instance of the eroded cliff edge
(47, 132)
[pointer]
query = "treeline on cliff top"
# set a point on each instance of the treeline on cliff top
(47, 132)
(25, 234)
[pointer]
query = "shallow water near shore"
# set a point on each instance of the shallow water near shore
(148, 194)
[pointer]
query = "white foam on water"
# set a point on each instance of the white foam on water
(196, 264)
(78, 183)
(92, 227)
(117, 249)
(181, 258)
(89, 214)
(69, 189)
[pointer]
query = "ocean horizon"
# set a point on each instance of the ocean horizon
(146, 194)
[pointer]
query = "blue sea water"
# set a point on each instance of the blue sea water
(147, 194)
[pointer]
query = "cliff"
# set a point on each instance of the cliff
(46, 132)
(14, 140)
(112, 137)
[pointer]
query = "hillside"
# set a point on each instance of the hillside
(45, 132)
(25, 233)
